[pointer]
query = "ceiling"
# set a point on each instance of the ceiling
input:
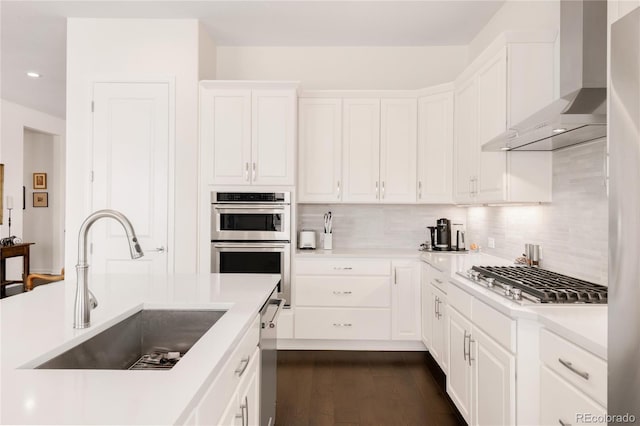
(34, 32)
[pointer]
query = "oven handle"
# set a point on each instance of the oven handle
(249, 245)
(259, 208)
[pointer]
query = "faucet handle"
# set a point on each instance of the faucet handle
(93, 301)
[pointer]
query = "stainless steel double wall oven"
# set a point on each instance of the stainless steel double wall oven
(251, 233)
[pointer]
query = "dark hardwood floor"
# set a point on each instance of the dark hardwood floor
(359, 388)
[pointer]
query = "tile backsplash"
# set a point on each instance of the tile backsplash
(376, 225)
(573, 229)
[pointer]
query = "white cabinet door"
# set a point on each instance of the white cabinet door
(427, 313)
(405, 300)
(249, 391)
(320, 150)
(494, 382)
(439, 335)
(492, 120)
(459, 377)
(273, 137)
(398, 150)
(226, 129)
(361, 150)
(130, 168)
(465, 147)
(435, 148)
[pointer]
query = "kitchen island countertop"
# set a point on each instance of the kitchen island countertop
(36, 326)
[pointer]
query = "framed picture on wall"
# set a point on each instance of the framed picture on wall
(40, 199)
(39, 181)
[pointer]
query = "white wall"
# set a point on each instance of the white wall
(39, 221)
(517, 15)
(344, 67)
(14, 119)
(573, 229)
(137, 49)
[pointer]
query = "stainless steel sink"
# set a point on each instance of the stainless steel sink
(141, 341)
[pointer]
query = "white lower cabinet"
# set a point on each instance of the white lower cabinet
(244, 407)
(234, 396)
(405, 300)
(434, 314)
(482, 376)
(573, 383)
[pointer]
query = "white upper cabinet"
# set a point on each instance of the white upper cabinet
(398, 144)
(435, 148)
(361, 150)
(247, 133)
(465, 148)
(273, 137)
(320, 150)
(511, 80)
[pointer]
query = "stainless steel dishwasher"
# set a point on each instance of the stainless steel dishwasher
(269, 358)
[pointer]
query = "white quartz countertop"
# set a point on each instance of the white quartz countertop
(359, 252)
(584, 325)
(36, 326)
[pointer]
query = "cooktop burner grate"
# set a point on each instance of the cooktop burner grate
(547, 286)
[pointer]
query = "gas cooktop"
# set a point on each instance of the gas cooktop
(537, 285)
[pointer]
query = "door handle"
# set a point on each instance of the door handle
(338, 190)
(419, 189)
(246, 171)
(470, 342)
(383, 190)
(377, 192)
(253, 172)
(464, 346)
(160, 249)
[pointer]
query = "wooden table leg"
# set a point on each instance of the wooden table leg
(3, 278)
(25, 269)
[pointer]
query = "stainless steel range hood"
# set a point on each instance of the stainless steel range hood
(580, 114)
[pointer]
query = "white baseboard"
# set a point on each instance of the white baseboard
(350, 345)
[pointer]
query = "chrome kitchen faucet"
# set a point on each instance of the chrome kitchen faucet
(85, 300)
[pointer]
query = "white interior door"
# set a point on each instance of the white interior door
(130, 174)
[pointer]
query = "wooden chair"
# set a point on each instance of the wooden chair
(47, 278)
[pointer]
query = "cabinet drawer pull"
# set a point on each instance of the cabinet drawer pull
(341, 292)
(243, 366)
(570, 366)
(437, 280)
(563, 423)
(346, 268)
(344, 324)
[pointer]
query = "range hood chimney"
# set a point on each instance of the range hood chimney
(580, 114)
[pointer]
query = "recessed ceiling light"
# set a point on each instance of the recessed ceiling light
(559, 130)
(33, 74)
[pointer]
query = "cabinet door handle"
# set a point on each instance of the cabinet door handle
(343, 324)
(342, 292)
(246, 171)
(435, 307)
(346, 268)
(253, 172)
(244, 362)
(562, 423)
(437, 280)
(420, 190)
(464, 346)
(470, 342)
(383, 190)
(570, 366)
(338, 190)
(395, 276)
(377, 192)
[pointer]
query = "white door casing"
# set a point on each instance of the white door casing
(131, 174)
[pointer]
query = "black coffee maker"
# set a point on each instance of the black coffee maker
(443, 235)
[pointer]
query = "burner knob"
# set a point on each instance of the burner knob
(475, 275)
(490, 281)
(507, 290)
(516, 294)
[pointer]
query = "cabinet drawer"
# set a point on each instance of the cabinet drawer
(582, 369)
(343, 267)
(220, 392)
(340, 323)
(561, 403)
(459, 299)
(343, 291)
(500, 327)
